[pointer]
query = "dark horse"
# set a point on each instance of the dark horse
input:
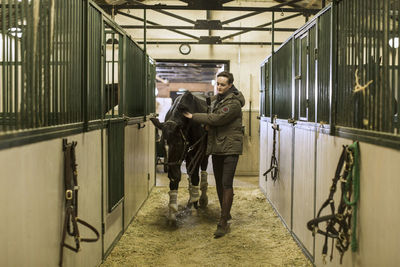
(185, 140)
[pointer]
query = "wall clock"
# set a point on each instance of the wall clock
(184, 49)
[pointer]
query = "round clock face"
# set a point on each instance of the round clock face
(184, 49)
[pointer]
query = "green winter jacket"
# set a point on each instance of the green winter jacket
(225, 134)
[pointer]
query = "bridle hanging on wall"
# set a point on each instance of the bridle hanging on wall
(341, 224)
(274, 166)
(71, 202)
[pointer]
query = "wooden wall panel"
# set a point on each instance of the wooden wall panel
(378, 217)
(249, 161)
(280, 191)
(303, 185)
(264, 159)
(32, 197)
(136, 170)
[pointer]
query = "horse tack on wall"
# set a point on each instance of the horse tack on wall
(274, 165)
(71, 203)
(184, 140)
(341, 224)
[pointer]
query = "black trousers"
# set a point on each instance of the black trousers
(224, 167)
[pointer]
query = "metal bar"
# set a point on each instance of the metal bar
(145, 60)
(224, 8)
(256, 12)
(62, 97)
(387, 87)
(260, 26)
(112, 75)
(57, 65)
(17, 114)
(272, 66)
(397, 34)
(241, 17)
(247, 29)
(334, 66)
(153, 23)
(3, 65)
(196, 43)
(174, 15)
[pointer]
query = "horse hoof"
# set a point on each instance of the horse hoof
(203, 202)
(172, 223)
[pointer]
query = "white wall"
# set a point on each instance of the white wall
(315, 159)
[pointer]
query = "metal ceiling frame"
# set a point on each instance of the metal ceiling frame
(211, 24)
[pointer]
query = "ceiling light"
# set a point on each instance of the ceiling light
(14, 31)
(394, 42)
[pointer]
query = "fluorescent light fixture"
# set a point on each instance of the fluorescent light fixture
(14, 31)
(212, 82)
(394, 42)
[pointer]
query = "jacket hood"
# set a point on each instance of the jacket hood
(238, 95)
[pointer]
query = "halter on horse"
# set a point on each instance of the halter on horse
(185, 140)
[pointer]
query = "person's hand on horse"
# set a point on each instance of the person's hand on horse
(187, 114)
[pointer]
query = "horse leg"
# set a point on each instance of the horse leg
(174, 175)
(194, 187)
(203, 201)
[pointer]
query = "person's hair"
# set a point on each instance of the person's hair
(226, 75)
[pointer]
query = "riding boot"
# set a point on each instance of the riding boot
(203, 187)
(223, 226)
(173, 204)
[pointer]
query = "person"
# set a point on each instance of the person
(225, 141)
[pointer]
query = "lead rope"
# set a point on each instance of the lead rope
(346, 216)
(353, 180)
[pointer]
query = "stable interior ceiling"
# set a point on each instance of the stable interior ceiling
(219, 31)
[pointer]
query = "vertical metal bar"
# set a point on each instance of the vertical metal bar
(334, 66)
(68, 63)
(112, 75)
(387, 87)
(272, 65)
(4, 67)
(61, 71)
(16, 71)
(375, 49)
(397, 31)
(122, 74)
(41, 38)
(103, 68)
(377, 68)
(393, 27)
(85, 52)
(23, 65)
(145, 59)
(366, 55)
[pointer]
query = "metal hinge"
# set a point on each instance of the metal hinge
(315, 52)
(148, 176)
(102, 50)
(292, 121)
(103, 228)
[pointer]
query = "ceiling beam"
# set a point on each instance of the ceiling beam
(164, 27)
(223, 8)
(156, 24)
(261, 26)
(196, 43)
